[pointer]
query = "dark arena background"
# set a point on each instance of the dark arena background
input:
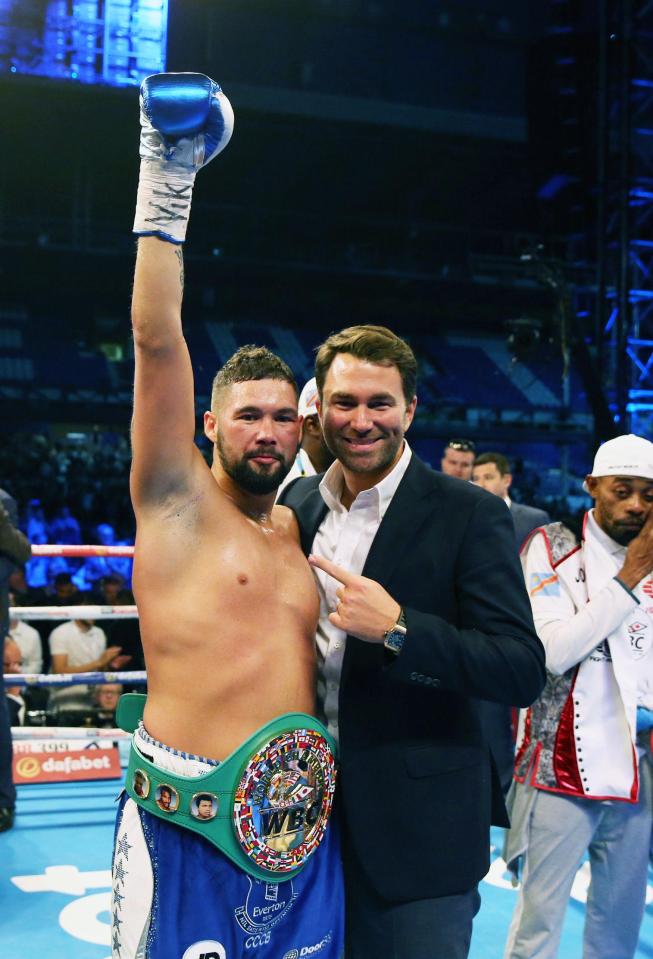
(475, 174)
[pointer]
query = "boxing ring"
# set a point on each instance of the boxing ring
(55, 864)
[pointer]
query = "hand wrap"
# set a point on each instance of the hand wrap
(186, 120)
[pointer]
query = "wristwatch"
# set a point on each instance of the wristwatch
(393, 638)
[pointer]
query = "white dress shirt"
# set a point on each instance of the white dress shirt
(345, 537)
(301, 467)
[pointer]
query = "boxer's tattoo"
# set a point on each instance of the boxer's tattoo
(180, 257)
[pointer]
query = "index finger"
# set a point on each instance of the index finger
(342, 575)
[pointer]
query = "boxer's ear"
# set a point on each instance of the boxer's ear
(210, 425)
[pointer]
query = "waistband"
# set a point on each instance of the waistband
(165, 757)
(266, 806)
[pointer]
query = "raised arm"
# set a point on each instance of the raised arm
(185, 121)
(570, 634)
(163, 424)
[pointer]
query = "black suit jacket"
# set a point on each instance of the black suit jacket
(526, 519)
(417, 786)
(17, 551)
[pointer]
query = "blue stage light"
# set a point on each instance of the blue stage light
(115, 42)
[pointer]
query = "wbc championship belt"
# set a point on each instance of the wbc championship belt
(284, 798)
(266, 806)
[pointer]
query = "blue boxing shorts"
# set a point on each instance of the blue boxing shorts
(176, 896)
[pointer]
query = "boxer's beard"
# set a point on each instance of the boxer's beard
(259, 481)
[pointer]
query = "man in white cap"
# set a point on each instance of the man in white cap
(313, 455)
(582, 784)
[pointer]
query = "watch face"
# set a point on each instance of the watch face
(395, 640)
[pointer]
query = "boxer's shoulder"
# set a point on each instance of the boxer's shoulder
(285, 522)
(296, 492)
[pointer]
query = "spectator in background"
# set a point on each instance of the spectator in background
(60, 592)
(492, 472)
(581, 785)
(126, 632)
(458, 459)
(314, 455)
(96, 567)
(64, 528)
(79, 646)
(36, 525)
(28, 641)
(108, 589)
(63, 591)
(14, 550)
(87, 476)
(12, 663)
(41, 570)
(24, 595)
(105, 699)
(36, 568)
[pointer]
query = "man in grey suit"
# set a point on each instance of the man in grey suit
(492, 472)
(14, 549)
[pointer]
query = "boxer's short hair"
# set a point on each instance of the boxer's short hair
(251, 363)
(376, 344)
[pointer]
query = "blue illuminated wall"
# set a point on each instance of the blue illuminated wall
(117, 42)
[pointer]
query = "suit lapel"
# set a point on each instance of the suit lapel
(313, 512)
(411, 503)
(409, 506)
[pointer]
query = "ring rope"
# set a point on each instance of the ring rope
(79, 551)
(81, 611)
(66, 732)
(136, 677)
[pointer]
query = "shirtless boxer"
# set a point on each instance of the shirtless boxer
(228, 610)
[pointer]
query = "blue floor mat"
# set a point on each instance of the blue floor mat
(55, 879)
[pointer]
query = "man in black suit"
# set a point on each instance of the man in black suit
(423, 607)
(492, 472)
(14, 550)
(12, 662)
(458, 459)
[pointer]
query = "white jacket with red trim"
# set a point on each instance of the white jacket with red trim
(578, 738)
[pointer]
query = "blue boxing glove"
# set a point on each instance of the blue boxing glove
(186, 120)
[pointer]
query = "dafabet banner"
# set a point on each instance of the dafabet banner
(47, 762)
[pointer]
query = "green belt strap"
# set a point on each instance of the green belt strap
(221, 781)
(131, 707)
